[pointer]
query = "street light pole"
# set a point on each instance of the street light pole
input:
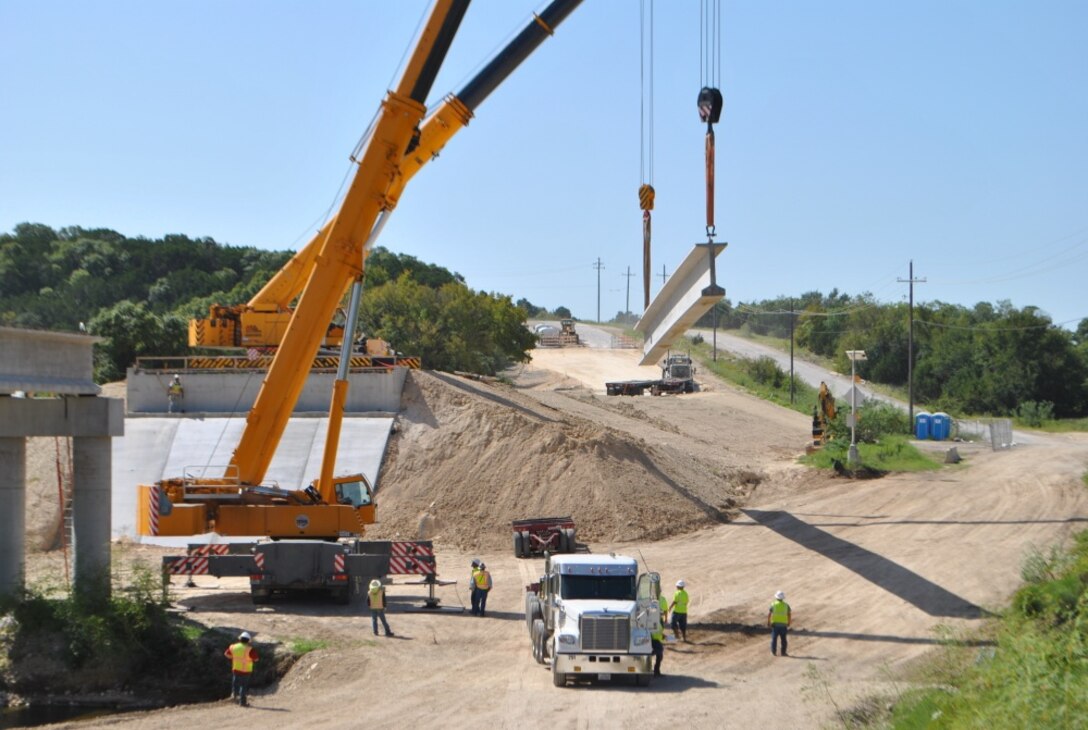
(855, 356)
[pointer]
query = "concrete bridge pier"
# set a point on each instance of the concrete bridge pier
(91, 507)
(12, 515)
(47, 389)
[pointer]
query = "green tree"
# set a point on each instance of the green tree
(131, 330)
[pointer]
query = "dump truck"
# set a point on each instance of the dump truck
(592, 616)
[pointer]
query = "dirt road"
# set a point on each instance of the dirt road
(871, 569)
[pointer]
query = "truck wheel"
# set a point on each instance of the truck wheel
(526, 544)
(260, 596)
(572, 539)
(558, 678)
(532, 611)
(540, 641)
(561, 542)
(518, 545)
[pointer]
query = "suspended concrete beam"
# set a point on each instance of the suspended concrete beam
(688, 294)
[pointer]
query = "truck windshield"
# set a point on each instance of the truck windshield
(613, 587)
(681, 372)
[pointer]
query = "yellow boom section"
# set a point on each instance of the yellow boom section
(342, 252)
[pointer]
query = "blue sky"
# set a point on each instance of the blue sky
(857, 136)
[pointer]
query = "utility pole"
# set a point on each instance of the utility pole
(598, 266)
(627, 306)
(910, 344)
(791, 351)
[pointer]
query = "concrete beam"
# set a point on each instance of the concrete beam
(69, 416)
(688, 294)
(35, 361)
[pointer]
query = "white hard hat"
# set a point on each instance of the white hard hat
(244, 636)
(780, 596)
(375, 583)
(680, 583)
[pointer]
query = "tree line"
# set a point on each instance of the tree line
(990, 359)
(139, 295)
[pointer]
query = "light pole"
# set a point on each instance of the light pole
(855, 356)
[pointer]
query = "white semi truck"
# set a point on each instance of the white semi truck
(592, 615)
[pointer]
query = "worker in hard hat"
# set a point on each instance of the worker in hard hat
(475, 592)
(483, 586)
(679, 608)
(657, 636)
(779, 618)
(375, 598)
(242, 658)
(174, 394)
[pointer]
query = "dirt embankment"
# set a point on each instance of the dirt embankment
(470, 457)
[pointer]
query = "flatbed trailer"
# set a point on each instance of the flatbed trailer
(537, 535)
(639, 387)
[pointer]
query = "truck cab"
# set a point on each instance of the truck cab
(593, 616)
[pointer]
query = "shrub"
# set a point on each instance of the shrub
(1034, 413)
(765, 371)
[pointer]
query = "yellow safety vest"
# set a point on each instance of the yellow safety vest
(780, 612)
(176, 389)
(377, 599)
(659, 635)
(483, 580)
(240, 658)
(681, 601)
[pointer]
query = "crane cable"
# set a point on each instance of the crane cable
(646, 160)
(710, 97)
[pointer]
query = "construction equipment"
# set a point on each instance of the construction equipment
(677, 376)
(540, 535)
(239, 502)
(263, 321)
(823, 413)
(568, 337)
(592, 616)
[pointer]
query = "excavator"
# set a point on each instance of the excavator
(308, 522)
(823, 413)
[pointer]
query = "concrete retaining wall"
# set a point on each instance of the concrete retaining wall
(375, 391)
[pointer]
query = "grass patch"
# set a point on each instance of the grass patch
(305, 646)
(891, 453)
(1035, 675)
(762, 378)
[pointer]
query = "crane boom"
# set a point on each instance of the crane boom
(342, 252)
(272, 303)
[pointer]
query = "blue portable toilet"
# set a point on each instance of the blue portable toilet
(922, 423)
(940, 426)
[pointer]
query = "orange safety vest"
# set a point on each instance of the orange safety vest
(241, 659)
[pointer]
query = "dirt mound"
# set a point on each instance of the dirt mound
(491, 455)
